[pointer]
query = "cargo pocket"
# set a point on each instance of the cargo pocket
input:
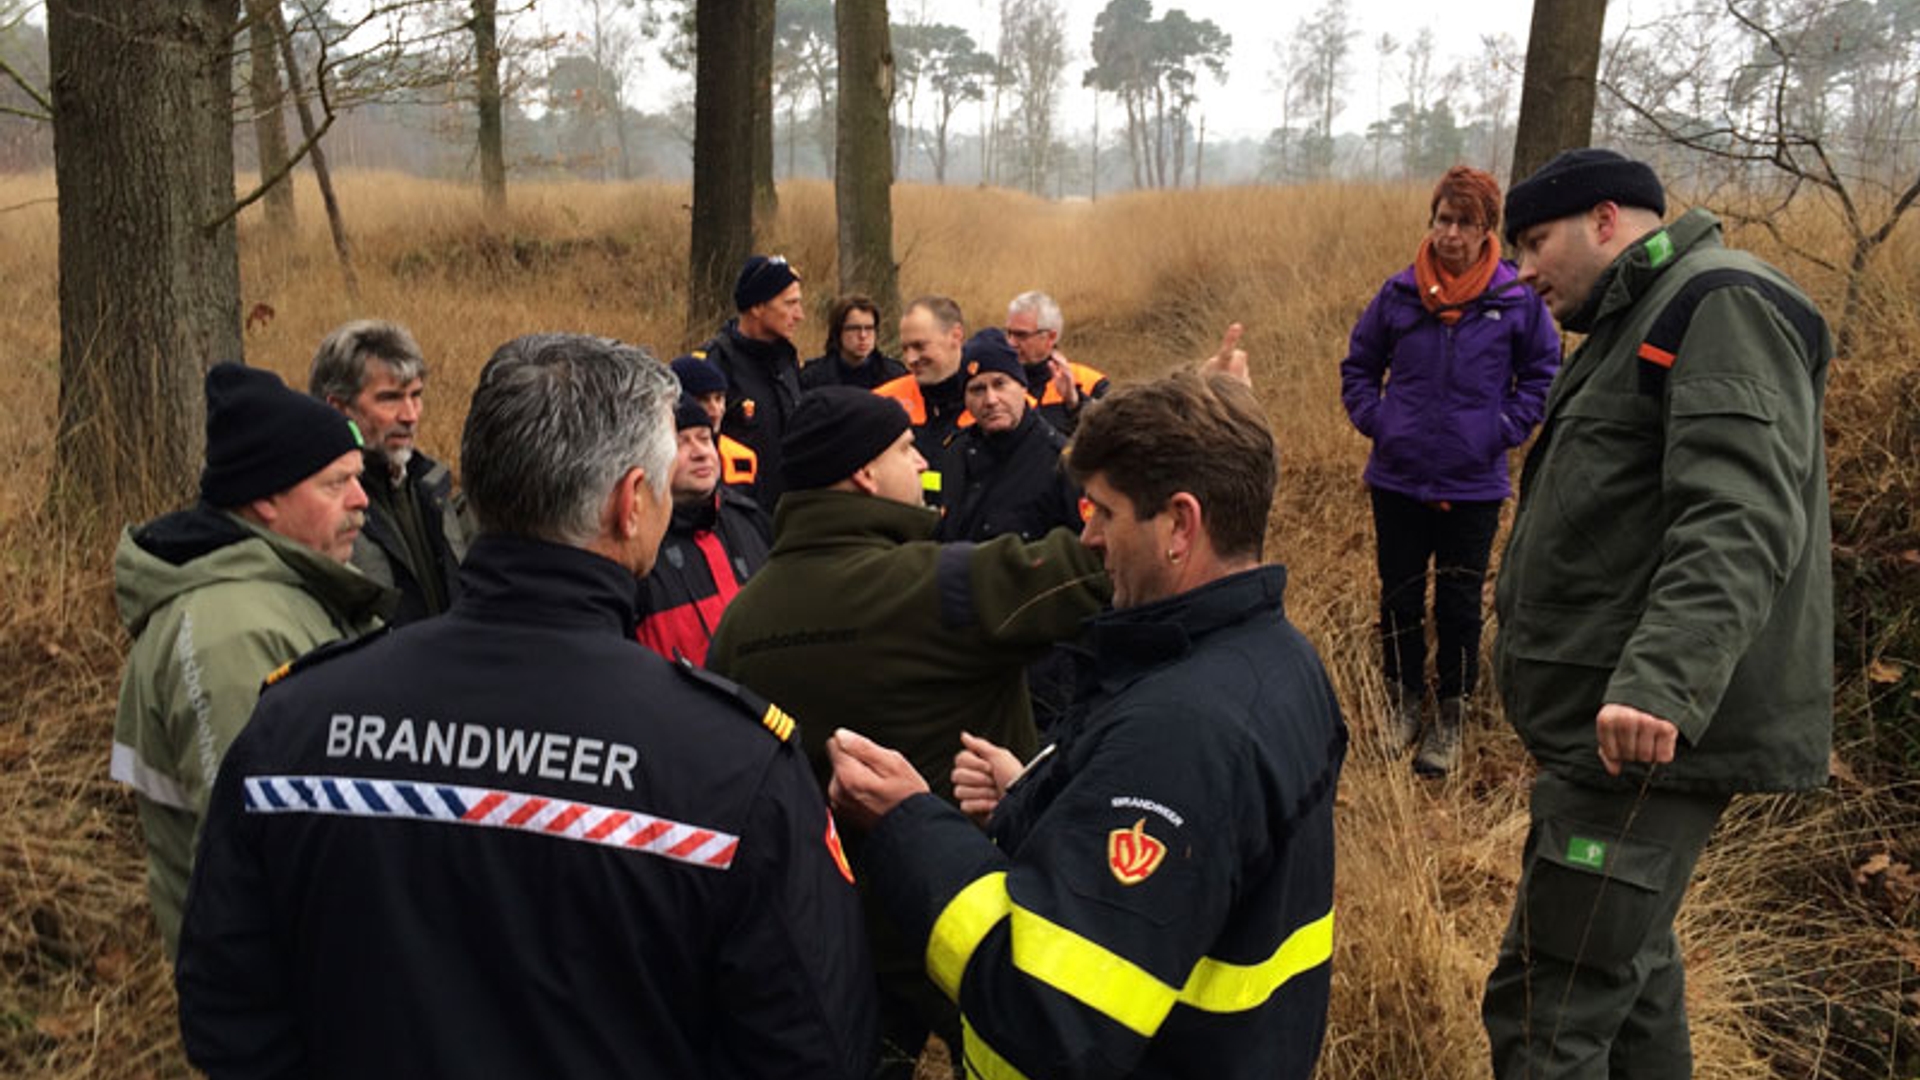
(1592, 897)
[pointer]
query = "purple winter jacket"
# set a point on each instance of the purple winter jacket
(1458, 397)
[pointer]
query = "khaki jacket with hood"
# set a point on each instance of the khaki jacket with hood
(215, 604)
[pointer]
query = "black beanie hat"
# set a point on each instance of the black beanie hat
(834, 431)
(763, 278)
(263, 438)
(989, 350)
(1578, 180)
(689, 413)
(698, 375)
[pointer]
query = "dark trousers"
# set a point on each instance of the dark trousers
(1410, 535)
(1589, 983)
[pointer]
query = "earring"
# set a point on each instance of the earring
(1173, 556)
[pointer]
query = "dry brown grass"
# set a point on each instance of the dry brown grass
(1800, 966)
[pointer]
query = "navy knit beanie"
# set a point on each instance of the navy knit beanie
(1577, 181)
(834, 431)
(763, 278)
(989, 350)
(698, 375)
(689, 413)
(264, 438)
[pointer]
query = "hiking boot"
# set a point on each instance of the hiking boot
(1440, 750)
(1403, 718)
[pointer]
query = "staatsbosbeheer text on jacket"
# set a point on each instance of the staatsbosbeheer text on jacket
(1443, 404)
(511, 841)
(1155, 898)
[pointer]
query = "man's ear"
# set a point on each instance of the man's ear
(1606, 221)
(864, 480)
(1187, 518)
(264, 510)
(622, 516)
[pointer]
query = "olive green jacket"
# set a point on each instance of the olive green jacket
(214, 604)
(1671, 547)
(860, 620)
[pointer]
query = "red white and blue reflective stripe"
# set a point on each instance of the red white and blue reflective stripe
(558, 818)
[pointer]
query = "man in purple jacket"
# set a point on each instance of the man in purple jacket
(1448, 370)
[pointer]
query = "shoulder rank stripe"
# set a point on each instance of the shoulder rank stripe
(488, 808)
(777, 721)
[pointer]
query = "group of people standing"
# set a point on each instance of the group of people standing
(1012, 623)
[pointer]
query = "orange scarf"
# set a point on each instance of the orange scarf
(1445, 293)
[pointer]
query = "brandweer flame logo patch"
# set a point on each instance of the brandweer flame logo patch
(1132, 854)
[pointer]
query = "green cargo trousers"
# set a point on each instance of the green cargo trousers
(1589, 984)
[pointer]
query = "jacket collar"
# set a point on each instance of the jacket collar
(1630, 275)
(534, 581)
(1129, 642)
(770, 353)
(822, 518)
(700, 516)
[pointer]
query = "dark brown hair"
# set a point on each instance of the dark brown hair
(1204, 435)
(1479, 192)
(837, 319)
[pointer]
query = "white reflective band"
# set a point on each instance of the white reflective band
(561, 819)
(128, 769)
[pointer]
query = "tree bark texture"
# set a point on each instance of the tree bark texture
(766, 202)
(723, 95)
(863, 177)
(486, 52)
(1558, 86)
(269, 117)
(149, 294)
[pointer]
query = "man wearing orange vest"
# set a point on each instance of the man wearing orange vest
(1058, 384)
(707, 384)
(934, 392)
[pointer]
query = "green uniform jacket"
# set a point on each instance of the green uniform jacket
(215, 604)
(1671, 549)
(860, 620)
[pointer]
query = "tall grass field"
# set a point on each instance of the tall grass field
(1802, 931)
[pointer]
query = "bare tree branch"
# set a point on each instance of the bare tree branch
(26, 86)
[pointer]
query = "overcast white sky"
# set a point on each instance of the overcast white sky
(1246, 104)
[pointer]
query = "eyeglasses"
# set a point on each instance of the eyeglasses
(1443, 223)
(856, 328)
(1022, 335)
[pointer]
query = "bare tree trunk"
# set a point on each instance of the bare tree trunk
(317, 157)
(1093, 174)
(759, 48)
(269, 118)
(722, 236)
(149, 288)
(1200, 153)
(863, 177)
(486, 85)
(1557, 87)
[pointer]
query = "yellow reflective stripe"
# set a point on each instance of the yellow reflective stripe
(1094, 976)
(962, 924)
(1101, 979)
(1218, 986)
(979, 1060)
(930, 481)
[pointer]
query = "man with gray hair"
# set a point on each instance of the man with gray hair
(415, 534)
(512, 841)
(1059, 386)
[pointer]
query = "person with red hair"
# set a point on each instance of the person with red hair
(1447, 370)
